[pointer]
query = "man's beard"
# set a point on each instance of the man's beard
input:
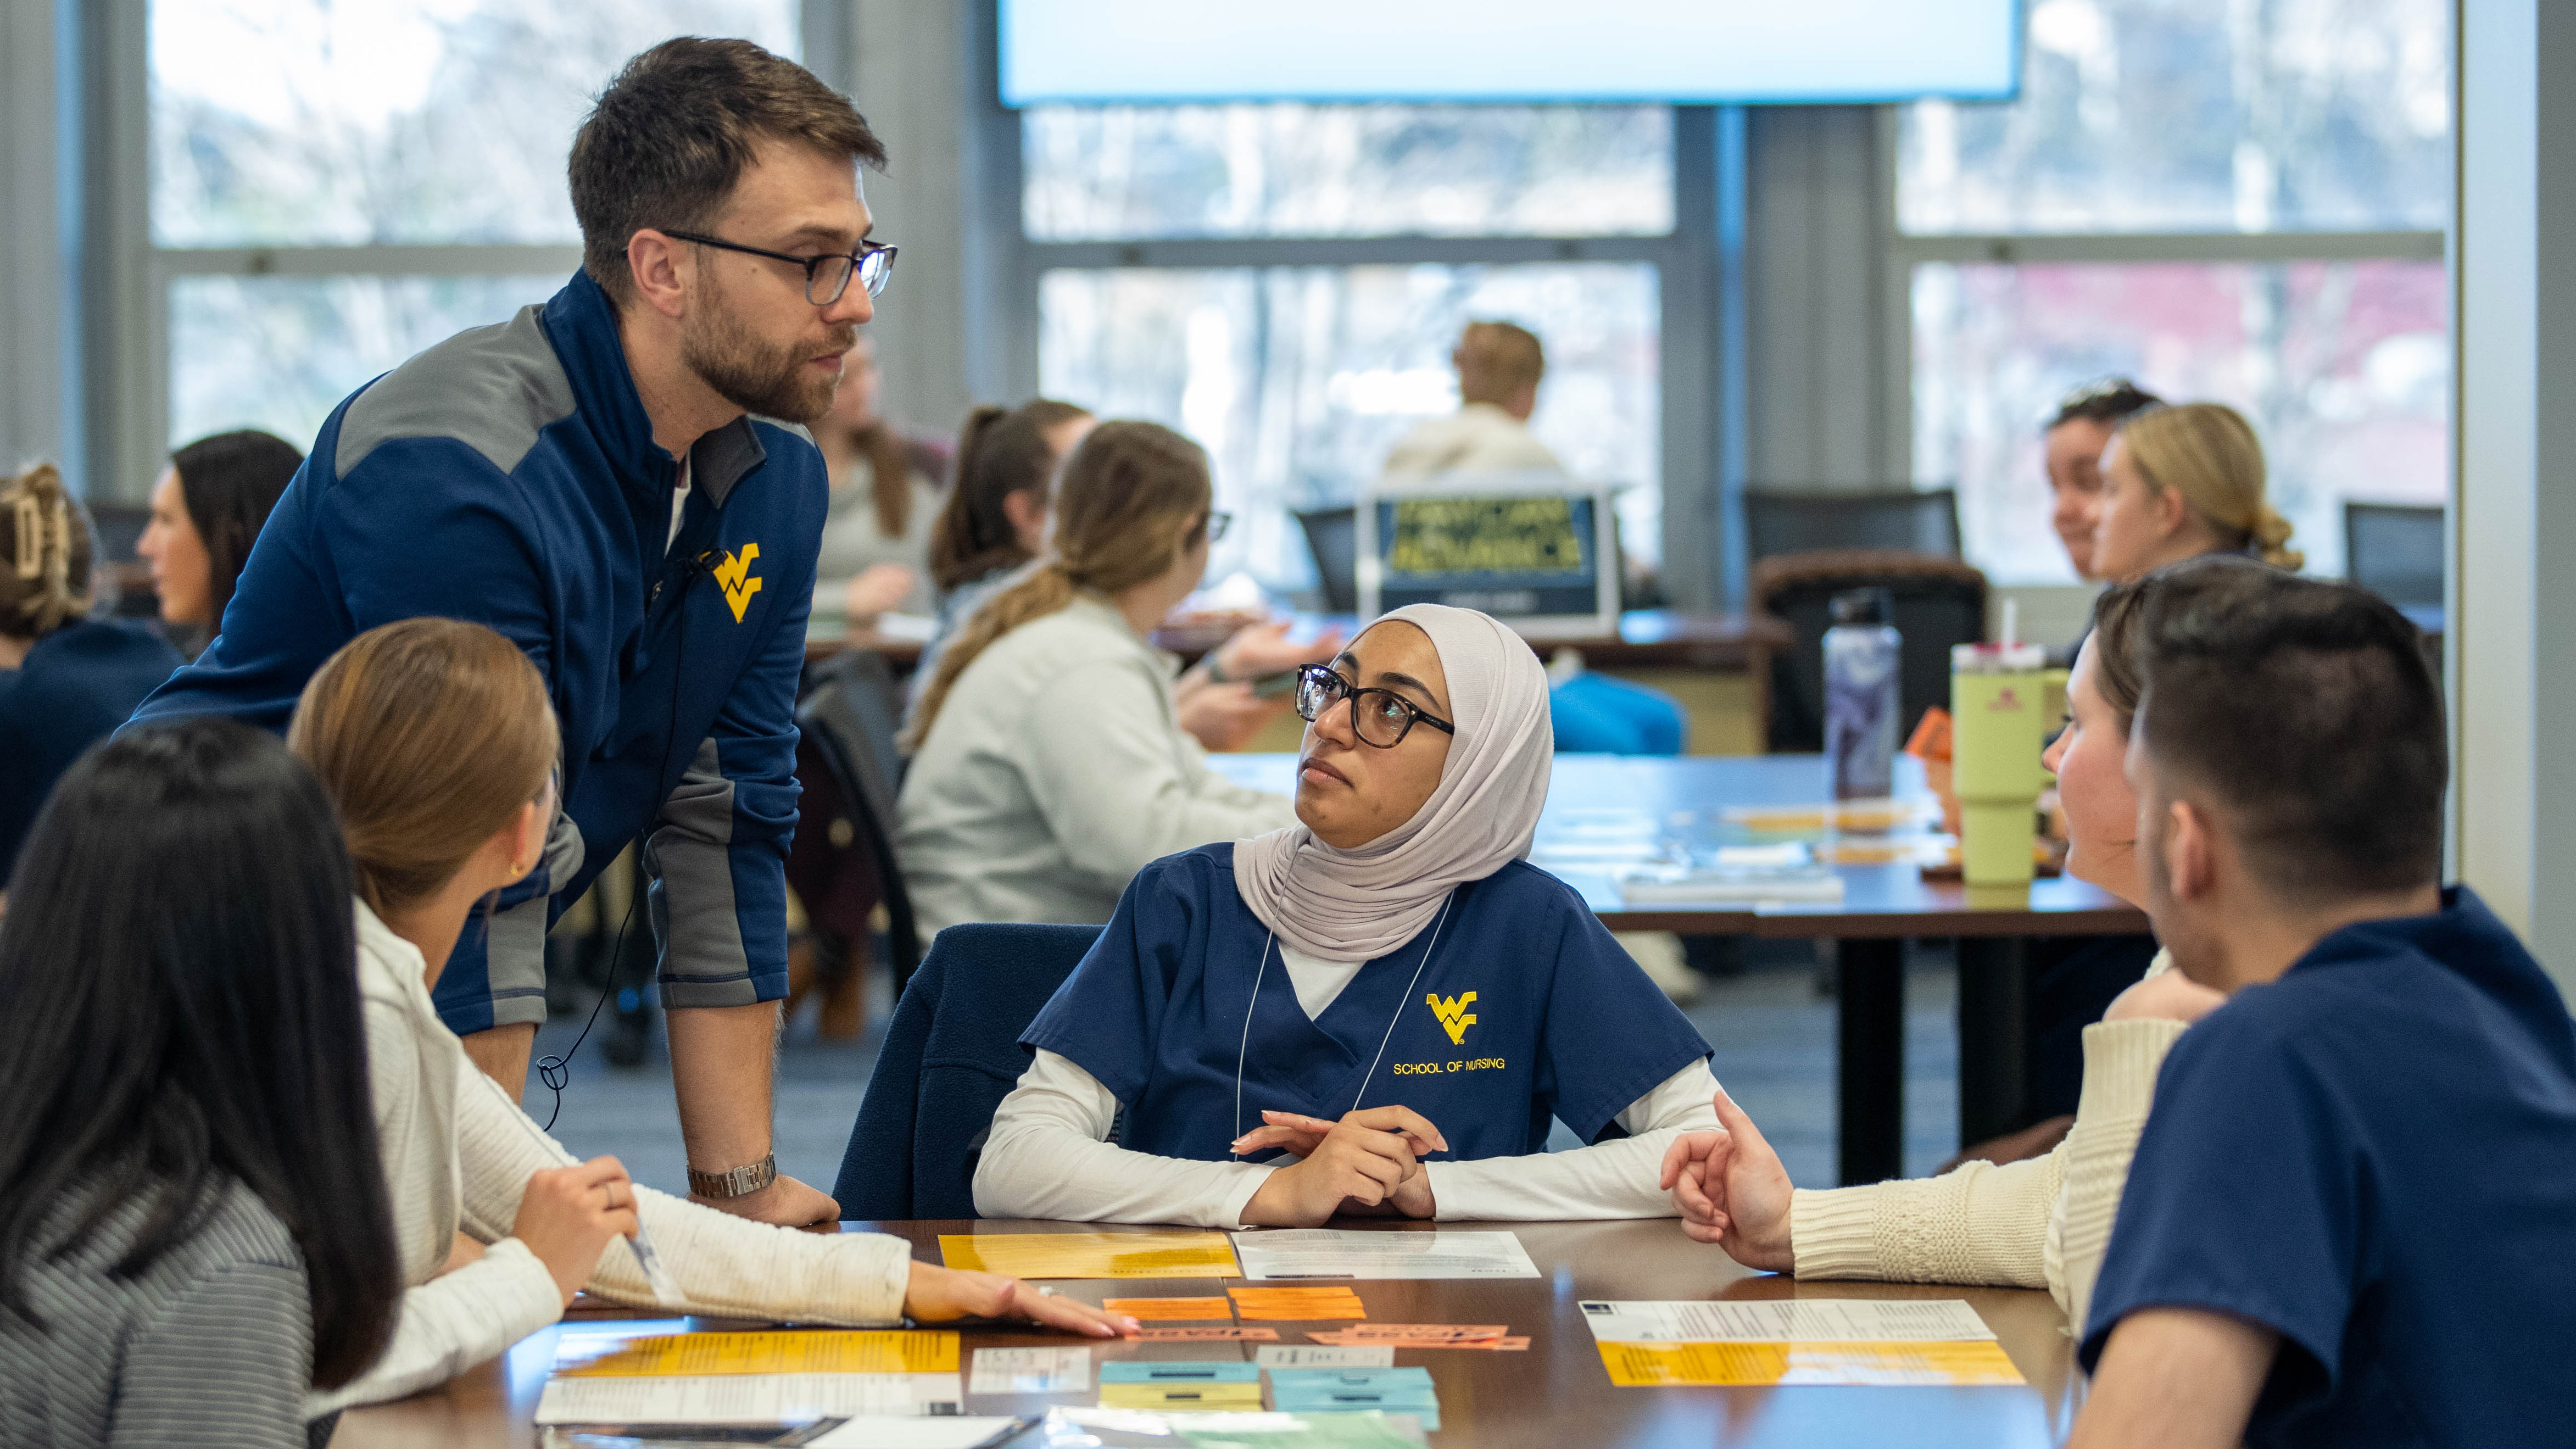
(770, 381)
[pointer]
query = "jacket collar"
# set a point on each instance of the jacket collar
(581, 322)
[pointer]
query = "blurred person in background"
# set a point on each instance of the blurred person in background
(207, 510)
(2074, 439)
(1499, 367)
(2182, 481)
(886, 501)
(994, 523)
(66, 680)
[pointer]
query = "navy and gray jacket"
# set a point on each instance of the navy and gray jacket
(509, 476)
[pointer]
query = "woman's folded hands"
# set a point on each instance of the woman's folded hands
(1368, 1162)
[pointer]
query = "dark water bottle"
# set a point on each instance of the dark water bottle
(1861, 653)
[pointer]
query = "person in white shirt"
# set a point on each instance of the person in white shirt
(435, 740)
(1499, 367)
(1440, 1000)
(1051, 760)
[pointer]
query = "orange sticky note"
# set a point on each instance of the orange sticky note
(1424, 1332)
(1165, 1308)
(1289, 1304)
(1194, 1333)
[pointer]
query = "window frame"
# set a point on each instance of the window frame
(127, 366)
(1686, 260)
(1905, 251)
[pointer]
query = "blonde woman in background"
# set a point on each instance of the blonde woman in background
(66, 680)
(2179, 482)
(1050, 759)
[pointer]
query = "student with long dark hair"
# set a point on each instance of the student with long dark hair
(207, 510)
(195, 1229)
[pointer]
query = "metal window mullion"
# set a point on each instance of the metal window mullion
(2135, 247)
(446, 260)
(1201, 253)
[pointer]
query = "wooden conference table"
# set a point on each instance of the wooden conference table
(1556, 1394)
(1595, 802)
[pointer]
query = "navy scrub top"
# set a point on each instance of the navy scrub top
(2375, 1157)
(77, 685)
(1526, 1010)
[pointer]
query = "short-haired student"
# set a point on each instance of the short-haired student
(1386, 1001)
(2351, 1219)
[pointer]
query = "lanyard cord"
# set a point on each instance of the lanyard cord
(1242, 1049)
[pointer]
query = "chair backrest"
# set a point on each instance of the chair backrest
(2395, 551)
(1332, 536)
(852, 709)
(1779, 521)
(1939, 602)
(951, 1053)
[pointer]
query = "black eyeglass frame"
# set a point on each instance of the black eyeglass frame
(1328, 681)
(868, 251)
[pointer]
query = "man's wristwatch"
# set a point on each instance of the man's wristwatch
(741, 1182)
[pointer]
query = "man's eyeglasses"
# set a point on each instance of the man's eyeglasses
(826, 276)
(1217, 524)
(1380, 717)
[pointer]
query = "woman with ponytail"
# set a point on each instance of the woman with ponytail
(435, 741)
(995, 520)
(2179, 482)
(885, 500)
(1050, 760)
(66, 680)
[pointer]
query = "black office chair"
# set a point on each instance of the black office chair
(851, 712)
(1781, 522)
(1333, 537)
(2395, 551)
(1939, 601)
(951, 1053)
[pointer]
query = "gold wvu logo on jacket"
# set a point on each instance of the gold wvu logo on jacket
(1454, 1016)
(738, 588)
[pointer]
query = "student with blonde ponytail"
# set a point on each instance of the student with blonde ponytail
(2179, 482)
(435, 740)
(1051, 764)
(66, 680)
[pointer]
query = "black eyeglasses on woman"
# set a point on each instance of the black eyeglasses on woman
(826, 276)
(1380, 717)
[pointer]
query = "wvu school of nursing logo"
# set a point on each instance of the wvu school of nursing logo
(732, 573)
(1454, 1015)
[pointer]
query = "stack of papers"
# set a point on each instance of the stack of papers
(1091, 1255)
(1345, 1391)
(1155, 1310)
(1293, 1254)
(1297, 1304)
(749, 1378)
(1299, 1356)
(1802, 1341)
(1173, 1385)
(1146, 1429)
(1031, 1371)
(1789, 872)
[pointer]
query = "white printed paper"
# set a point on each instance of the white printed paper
(1802, 1320)
(940, 1433)
(1031, 1371)
(1300, 1254)
(1321, 1356)
(740, 1398)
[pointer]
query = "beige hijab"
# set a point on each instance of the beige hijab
(1358, 905)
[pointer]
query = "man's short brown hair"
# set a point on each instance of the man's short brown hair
(674, 131)
(1496, 360)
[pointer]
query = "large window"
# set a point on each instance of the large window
(1284, 282)
(335, 186)
(2222, 200)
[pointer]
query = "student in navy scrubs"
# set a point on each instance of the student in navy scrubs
(1386, 1002)
(66, 680)
(2352, 1215)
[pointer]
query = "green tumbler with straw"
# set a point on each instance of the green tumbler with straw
(1996, 723)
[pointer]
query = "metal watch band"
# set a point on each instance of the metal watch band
(741, 1182)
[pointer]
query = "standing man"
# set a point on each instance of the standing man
(618, 481)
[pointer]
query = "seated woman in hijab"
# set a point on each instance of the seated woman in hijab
(1376, 1010)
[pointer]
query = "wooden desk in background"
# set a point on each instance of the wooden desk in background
(1882, 906)
(1553, 1396)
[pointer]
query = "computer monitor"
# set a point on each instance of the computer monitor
(1533, 550)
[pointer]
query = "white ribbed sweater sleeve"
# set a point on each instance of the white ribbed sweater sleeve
(2041, 1223)
(1048, 1157)
(451, 1323)
(728, 1267)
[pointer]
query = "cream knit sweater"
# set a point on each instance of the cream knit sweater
(2038, 1223)
(457, 1154)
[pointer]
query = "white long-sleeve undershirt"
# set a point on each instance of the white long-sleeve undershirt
(1049, 1155)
